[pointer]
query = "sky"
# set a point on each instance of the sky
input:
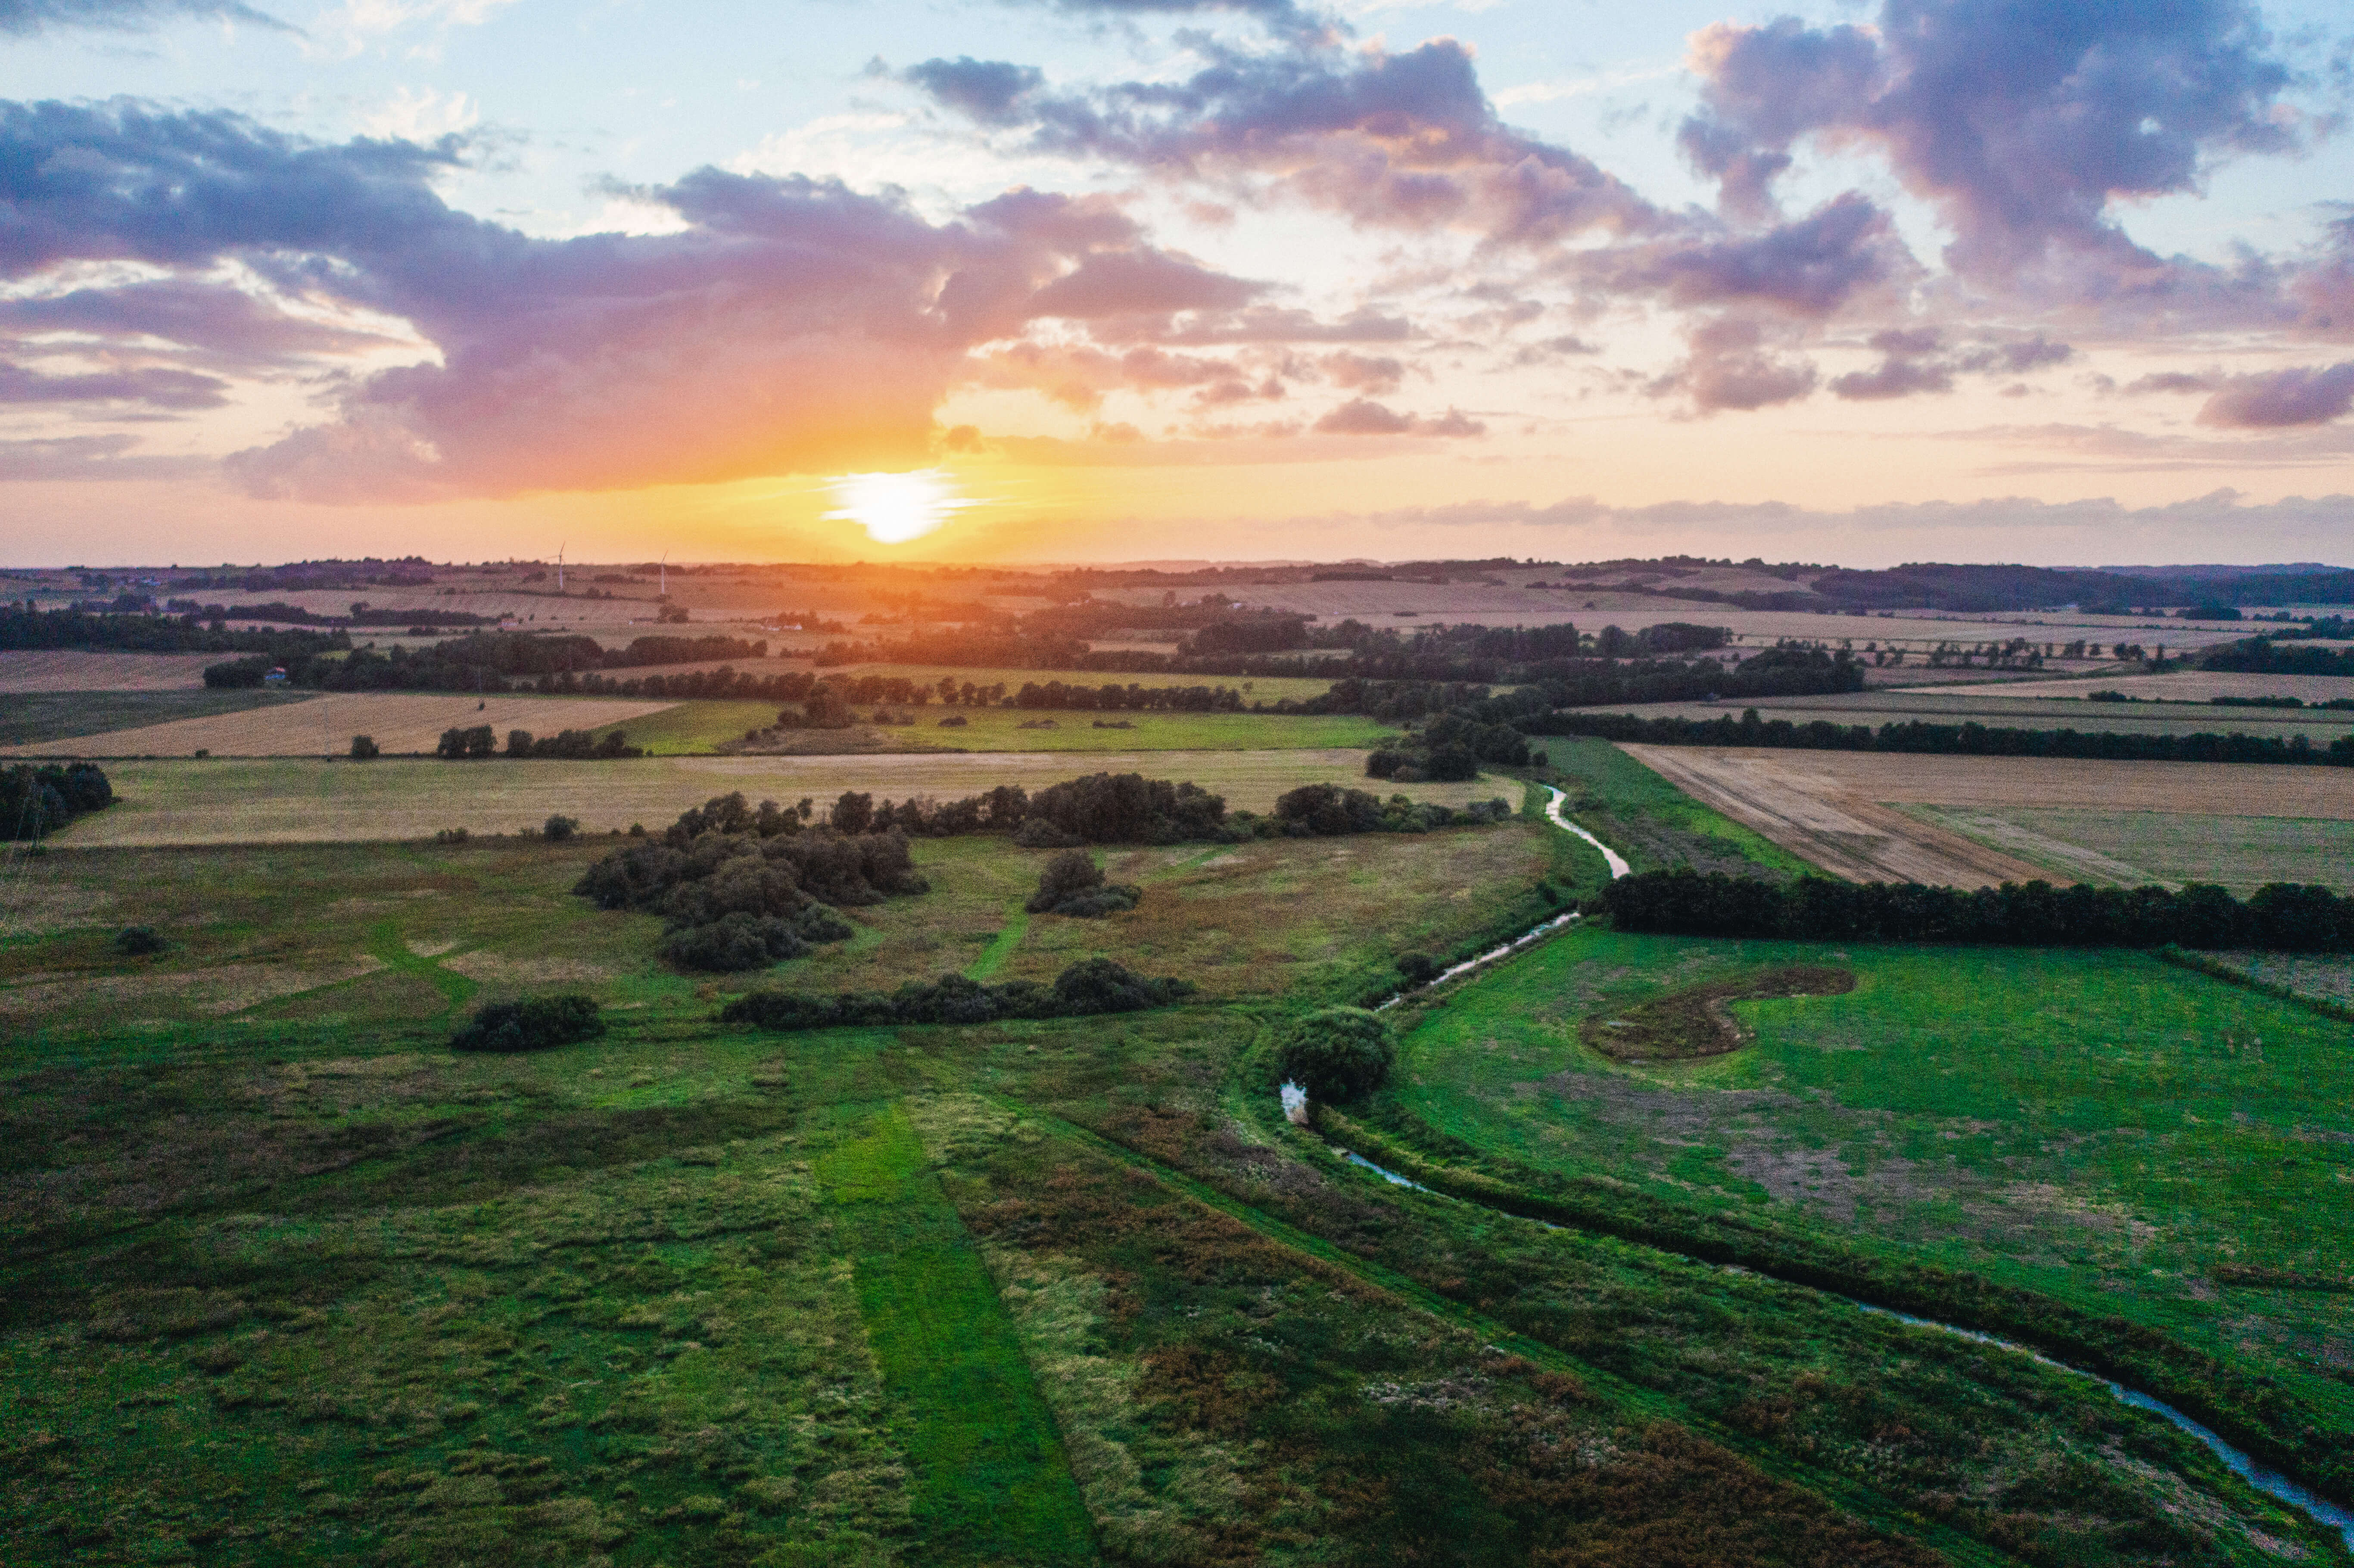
(2061, 281)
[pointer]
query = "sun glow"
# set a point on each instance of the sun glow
(897, 507)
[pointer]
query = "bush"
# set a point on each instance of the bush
(1338, 1054)
(450, 835)
(1089, 987)
(559, 828)
(1417, 969)
(1072, 885)
(534, 1024)
(733, 943)
(140, 941)
(1039, 833)
(363, 749)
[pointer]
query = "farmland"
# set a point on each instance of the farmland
(1263, 689)
(2099, 1128)
(33, 718)
(2001, 706)
(325, 725)
(1838, 809)
(700, 728)
(63, 670)
(298, 800)
(2128, 848)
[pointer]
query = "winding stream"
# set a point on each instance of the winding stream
(2269, 1482)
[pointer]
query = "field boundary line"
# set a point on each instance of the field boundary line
(2215, 969)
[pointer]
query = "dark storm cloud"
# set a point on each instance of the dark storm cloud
(2022, 119)
(793, 324)
(2304, 395)
(1389, 140)
(25, 17)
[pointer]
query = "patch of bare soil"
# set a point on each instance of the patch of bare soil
(495, 969)
(1695, 1021)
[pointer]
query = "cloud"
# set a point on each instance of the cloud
(157, 387)
(24, 18)
(1362, 417)
(1733, 366)
(2023, 119)
(2302, 395)
(788, 325)
(225, 326)
(1355, 371)
(109, 457)
(1404, 141)
(1810, 267)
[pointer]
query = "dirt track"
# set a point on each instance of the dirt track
(1833, 807)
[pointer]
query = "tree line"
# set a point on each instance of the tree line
(2279, 916)
(1971, 739)
(37, 800)
(570, 746)
(484, 660)
(24, 626)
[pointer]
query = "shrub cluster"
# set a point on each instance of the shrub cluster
(1088, 987)
(741, 888)
(2278, 916)
(534, 1024)
(1962, 739)
(1337, 1055)
(36, 801)
(1100, 809)
(1328, 811)
(1074, 884)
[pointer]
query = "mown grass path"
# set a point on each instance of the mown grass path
(990, 1480)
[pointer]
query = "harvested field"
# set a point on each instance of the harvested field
(2197, 686)
(65, 670)
(1836, 808)
(306, 801)
(2015, 705)
(2128, 848)
(324, 726)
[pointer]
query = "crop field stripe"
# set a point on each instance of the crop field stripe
(991, 1483)
(1849, 1497)
(1000, 947)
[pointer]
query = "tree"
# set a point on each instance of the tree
(853, 813)
(364, 748)
(479, 741)
(1074, 884)
(559, 828)
(1337, 1055)
(140, 941)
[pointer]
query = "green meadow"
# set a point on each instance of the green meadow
(1651, 821)
(696, 727)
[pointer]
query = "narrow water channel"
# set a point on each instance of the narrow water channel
(2272, 1483)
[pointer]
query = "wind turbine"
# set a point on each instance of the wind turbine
(665, 575)
(559, 566)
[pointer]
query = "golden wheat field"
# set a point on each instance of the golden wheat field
(399, 722)
(310, 799)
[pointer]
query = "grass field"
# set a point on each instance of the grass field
(295, 801)
(1837, 808)
(330, 938)
(1651, 821)
(701, 727)
(29, 718)
(66, 669)
(324, 726)
(2101, 1128)
(1262, 689)
(2128, 848)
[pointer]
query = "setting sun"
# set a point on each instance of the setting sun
(897, 507)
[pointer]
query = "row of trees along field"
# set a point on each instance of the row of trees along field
(37, 800)
(2279, 916)
(1917, 735)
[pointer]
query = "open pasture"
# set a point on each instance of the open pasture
(299, 800)
(324, 726)
(696, 728)
(65, 670)
(1838, 808)
(2100, 1127)
(2128, 848)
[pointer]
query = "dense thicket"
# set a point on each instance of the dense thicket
(1959, 739)
(1337, 1055)
(1088, 987)
(534, 1024)
(1328, 811)
(2262, 655)
(1100, 809)
(36, 801)
(2278, 916)
(738, 888)
(1072, 885)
